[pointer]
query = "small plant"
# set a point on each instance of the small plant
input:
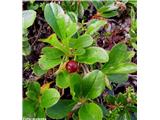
(122, 106)
(38, 99)
(72, 54)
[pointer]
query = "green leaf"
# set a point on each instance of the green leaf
(93, 84)
(32, 95)
(83, 41)
(97, 4)
(46, 63)
(117, 55)
(51, 11)
(73, 16)
(33, 91)
(90, 111)
(119, 61)
(52, 40)
(107, 83)
(94, 26)
(28, 18)
(80, 11)
(118, 78)
(52, 53)
(49, 97)
(79, 51)
(109, 14)
(122, 68)
(28, 108)
(26, 47)
(63, 79)
(75, 85)
(61, 109)
(37, 70)
(34, 86)
(93, 55)
(60, 22)
(40, 113)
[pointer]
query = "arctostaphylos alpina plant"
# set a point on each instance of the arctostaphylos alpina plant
(72, 54)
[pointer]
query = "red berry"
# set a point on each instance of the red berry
(72, 66)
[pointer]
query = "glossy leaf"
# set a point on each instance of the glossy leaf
(28, 18)
(94, 26)
(49, 97)
(80, 51)
(93, 84)
(60, 22)
(122, 68)
(52, 40)
(83, 41)
(61, 109)
(52, 53)
(76, 85)
(46, 63)
(90, 111)
(93, 55)
(63, 79)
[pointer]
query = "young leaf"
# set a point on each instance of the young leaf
(61, 109)
(83, 41)
(94, 26)
(49, 97)
(93, 55)
(46, 63)
(52, 40)
(28, 18)
(63, 79)
(93, 84)
(37, 70)
(90, 111)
